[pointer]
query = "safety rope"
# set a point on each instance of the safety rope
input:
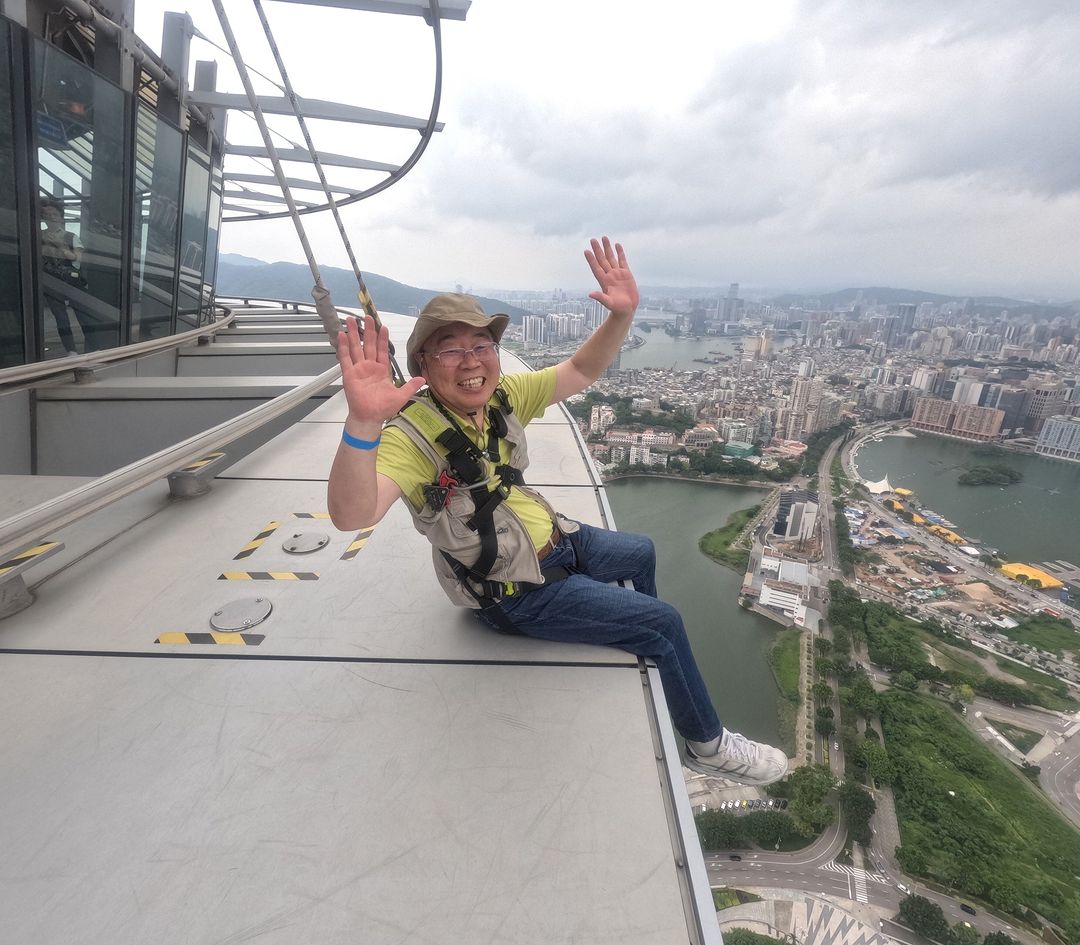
(363, 295)
(323, 303)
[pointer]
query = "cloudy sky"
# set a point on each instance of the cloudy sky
(781, 145)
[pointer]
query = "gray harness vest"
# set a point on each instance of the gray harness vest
(481, 550)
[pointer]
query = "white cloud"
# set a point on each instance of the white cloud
(825, 144)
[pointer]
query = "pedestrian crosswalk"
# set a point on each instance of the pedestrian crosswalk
(860, 876)
(860, 886)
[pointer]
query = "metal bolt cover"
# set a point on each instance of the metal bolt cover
(240, 614)
(302, 543)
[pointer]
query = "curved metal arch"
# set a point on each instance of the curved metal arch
(425, 138)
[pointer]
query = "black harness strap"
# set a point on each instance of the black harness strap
(491, 593)
(465, 459)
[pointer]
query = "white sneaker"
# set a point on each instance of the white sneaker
(739, 759)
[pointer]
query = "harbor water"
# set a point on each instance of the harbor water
(1031, 521)
(731, 644)
(663, 351)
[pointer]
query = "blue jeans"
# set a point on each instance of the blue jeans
(585, 608)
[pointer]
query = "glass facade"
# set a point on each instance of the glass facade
(81, 164)
(193, 239)
(109, 215)
(12, 342)
(212, 233)
(159, 150)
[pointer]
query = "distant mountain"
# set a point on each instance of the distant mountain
(870, 295)
(879, 295)
(243, 276)
(235, 259)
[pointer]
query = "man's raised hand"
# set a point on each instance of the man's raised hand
(618, 288)
(365, 373)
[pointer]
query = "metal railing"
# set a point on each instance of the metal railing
(27, 528)
(40, 370)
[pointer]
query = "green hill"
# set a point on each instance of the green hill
(243, 276)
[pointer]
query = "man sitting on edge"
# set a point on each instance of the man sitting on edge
(456, 453)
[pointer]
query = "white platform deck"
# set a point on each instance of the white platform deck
(378, 767)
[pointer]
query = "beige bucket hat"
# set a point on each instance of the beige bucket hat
(448, 309)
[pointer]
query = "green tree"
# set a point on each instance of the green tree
(822, 693)
(999, 938)
(860, 696)
(964, 934)
(858, 807)
(746, 937)
(823, 666)
(808, 786)
(824, 727)
(765, 827)
(720, 830)
(964, 693)
(924, 917)
(906, 680)
(876, 759)
(912, 859)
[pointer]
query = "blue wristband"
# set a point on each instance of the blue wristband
(357, 443)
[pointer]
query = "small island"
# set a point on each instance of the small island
(991, 475)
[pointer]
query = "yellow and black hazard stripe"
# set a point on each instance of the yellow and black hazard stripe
(218, 638)
(357, 543)
(324, 515)
(25, 556)
(269, 576)
(252, 546)
(199, 463)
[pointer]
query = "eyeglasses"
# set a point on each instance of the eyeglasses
(452, 357)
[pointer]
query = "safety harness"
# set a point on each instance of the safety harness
(465, 460)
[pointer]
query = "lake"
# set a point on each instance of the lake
(730, 643)
(1031, 521)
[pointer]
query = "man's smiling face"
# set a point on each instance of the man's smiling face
(467, 386)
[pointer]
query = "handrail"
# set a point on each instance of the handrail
(26, 528)
(38, 370)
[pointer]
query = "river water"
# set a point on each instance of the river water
(662, 351)
(730, 643)
(1033, 520)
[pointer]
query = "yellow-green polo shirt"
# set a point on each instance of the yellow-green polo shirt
(530, 393)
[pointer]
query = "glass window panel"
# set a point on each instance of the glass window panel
(193, 239)
(79, 128)
(12, 344)
(159, 150)
(214, 227)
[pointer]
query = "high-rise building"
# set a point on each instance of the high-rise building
(805, 391)
(949, 418)
(968, 390)
(1060, 438)
(905, 313)
(535, 329)
(925, 379)
(601, 417)
(977, 423)
(1046, 401)
(1013, 401)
